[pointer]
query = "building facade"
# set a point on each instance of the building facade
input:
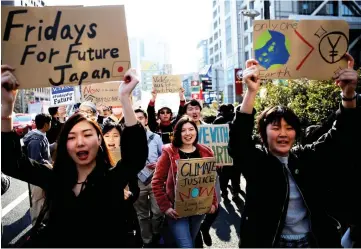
(202, 54)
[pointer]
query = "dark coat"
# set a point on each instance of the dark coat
(267, 181)
(97, 216)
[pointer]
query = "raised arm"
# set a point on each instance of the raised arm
(152, 122)
(133, 143)
(13, 162)
(182, 102)
(342, 137)
(241, 146)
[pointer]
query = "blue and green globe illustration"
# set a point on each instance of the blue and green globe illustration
(272, 49)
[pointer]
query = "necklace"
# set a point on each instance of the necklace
(186, 154)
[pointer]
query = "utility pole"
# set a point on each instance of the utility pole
(217, 85)
(266, 5)
(23, 108)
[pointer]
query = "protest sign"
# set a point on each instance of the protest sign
(288, 49)
(167, 83)
(62, 96)
(195, 186)
(105, 93)
(54, 46)
(216, 137)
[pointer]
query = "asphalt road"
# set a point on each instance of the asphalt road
(225, 229)
(15, 214)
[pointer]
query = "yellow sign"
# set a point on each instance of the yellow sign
(167, 83)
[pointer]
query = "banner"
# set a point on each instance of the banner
(54, 46)
(105, 93)
(167, 83)
(288, 49)
(216, 137)
(62, 96)
(196, 179)
(238, 75)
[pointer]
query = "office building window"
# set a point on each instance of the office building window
(210, 51)
(217, 58)
(220, 55)
(211, 61)
(216, 48)
(220, 43)
(251, 5)
(246, 55)
(215, 37)
(251, 35)
(214, 14)
(215, 24)
(228, 36)
(245, 25)
(350, 9)
(246, 40)
(227, 7)
(210, 40)
(230, 73)
(214, 3)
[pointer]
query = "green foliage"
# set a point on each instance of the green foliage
(312, 100)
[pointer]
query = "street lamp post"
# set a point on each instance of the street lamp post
(252, 14)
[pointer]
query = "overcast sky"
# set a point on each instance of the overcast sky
(182, 23)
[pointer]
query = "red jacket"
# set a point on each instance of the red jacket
(163, 180)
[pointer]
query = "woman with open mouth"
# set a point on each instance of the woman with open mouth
(84, 204)
(286, 184)
(184, 146)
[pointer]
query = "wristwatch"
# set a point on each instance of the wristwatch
(348, 99)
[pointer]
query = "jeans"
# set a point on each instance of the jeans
(145, 206)
(185, 230)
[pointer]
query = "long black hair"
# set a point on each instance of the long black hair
(64, 168)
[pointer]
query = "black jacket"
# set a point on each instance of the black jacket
(267, 181)
(95, 218)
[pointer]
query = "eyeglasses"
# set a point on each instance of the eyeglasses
(165, 112)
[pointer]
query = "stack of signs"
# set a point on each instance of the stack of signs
(62, 96)
(216, 137)
(195, 186)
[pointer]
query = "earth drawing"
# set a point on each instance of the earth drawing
(272, 49)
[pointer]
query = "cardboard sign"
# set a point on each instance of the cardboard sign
(216, 137)
(62, 96)
(196, 179)
(54, 46)
(106, 93)
(167, 83)
(288, 49)
(115, 155)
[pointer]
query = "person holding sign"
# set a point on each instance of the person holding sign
(184, 146)
(285, 198)
(84, 192)
(166, 125)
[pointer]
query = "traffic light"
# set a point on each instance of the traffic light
(206, 85)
